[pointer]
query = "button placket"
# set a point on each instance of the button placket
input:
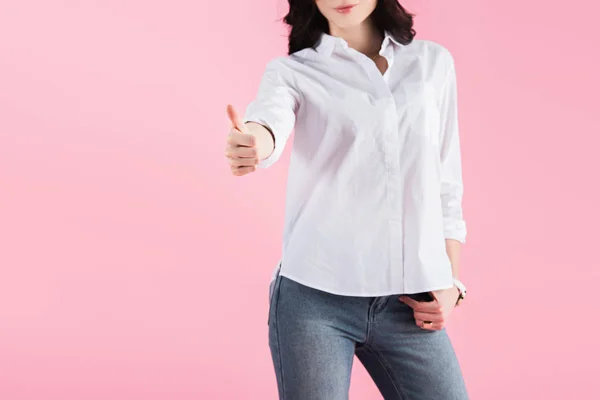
(390, 140)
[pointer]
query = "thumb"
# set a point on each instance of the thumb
(235, 119)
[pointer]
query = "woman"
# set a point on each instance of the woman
(373, 216)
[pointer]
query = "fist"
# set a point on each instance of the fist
(241, 151)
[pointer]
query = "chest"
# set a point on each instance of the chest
(365, 99)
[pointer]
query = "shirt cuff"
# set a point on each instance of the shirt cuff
(456, 230)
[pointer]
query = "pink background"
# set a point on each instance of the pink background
(133, 266)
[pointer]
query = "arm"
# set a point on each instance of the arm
(259, 139)
(455, 230)
(453, 251)
(272, 115)
(433, 315)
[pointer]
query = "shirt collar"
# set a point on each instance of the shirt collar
(389, 38)
(327, 44)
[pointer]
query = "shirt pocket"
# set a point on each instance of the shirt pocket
(423, 112)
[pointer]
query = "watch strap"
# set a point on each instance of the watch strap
(462, 291)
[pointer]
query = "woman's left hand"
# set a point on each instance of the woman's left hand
(433, 315)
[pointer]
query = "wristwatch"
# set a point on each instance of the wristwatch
(462, 291)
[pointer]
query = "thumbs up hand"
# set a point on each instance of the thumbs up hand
(241, 150)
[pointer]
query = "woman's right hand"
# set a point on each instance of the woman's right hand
(241, 150)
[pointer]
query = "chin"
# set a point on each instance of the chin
(348, 22)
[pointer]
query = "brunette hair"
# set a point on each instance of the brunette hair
(307, 24)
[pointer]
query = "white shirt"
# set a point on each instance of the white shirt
(375, 182)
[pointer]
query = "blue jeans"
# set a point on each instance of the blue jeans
(314, 336)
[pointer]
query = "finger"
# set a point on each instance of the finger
(237, 138)
(431, 307)
(423, 306)
(235, 119)
(412, 303)
(434, 326)
(242, 170)
(243, 162)
(429, 317)
(241, 152)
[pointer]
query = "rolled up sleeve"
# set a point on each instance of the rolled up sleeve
(274, 107)
(450, 153)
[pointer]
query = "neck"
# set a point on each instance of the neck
(365, 37)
